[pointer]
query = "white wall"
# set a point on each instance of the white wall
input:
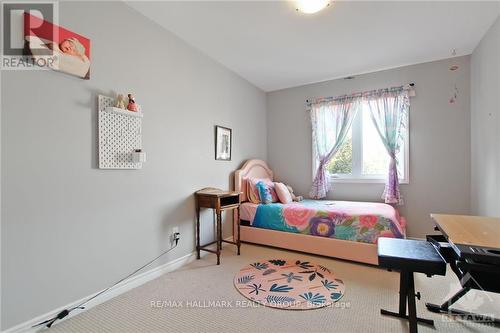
(485, 124)
(70, 229)
(439, 139)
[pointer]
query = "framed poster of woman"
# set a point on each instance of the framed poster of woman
(55, 47)
(223, 143)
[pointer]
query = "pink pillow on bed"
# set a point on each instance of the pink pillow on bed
(283, 193)
(253, 192)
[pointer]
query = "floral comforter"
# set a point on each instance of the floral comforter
(355, 221)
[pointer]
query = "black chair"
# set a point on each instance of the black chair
(409, 256)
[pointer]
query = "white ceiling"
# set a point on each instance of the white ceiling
(274, 47)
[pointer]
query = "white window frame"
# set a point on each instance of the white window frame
(357, 159)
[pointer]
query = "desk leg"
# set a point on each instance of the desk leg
(446, 309)
(197, 232)
(446, 305)
(219, 236)
(238, 242)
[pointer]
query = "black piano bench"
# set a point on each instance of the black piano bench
(409, 256)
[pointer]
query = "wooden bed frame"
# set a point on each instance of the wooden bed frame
(331, 247)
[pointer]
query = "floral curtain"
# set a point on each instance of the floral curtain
(389, 111)
(331, 120)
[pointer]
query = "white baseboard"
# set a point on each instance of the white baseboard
(131, 283)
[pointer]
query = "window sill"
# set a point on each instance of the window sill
(364, 181)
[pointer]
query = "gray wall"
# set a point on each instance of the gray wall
(485, 124)
(439, 139)
(70, 229)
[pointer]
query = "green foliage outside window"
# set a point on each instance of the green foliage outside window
(342, 161)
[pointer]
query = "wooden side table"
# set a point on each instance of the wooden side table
(219, 201)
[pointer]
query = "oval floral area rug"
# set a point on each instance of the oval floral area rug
(289, 284)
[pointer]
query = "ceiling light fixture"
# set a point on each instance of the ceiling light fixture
(311, 6)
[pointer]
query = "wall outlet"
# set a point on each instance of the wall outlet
(175, 236)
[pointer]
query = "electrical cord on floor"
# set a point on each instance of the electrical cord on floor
(65, 312)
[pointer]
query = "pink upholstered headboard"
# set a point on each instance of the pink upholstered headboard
(251, 169)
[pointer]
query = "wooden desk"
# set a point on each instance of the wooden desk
(470, 230)
(474, 237)
(471, 245)
(219, 201)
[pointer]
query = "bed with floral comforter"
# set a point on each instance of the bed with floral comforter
(348, 220)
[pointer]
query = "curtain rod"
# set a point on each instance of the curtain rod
(407, 86)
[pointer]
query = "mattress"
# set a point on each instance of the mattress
(248, 211)
(348, 220)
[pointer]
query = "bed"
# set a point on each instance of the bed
(341, 229)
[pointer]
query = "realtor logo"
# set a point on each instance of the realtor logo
(473, 301)
(14, 26)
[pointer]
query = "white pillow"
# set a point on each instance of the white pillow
(283, 194)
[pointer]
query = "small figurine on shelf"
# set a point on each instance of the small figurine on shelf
(131, 103)
(120, 102)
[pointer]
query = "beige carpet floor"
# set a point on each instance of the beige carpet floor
(181, 302)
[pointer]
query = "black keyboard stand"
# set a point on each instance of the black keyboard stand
(472, 275)
(445, 308)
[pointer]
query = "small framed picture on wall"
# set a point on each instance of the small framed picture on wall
(223, 143)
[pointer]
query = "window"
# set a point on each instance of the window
(363, 157)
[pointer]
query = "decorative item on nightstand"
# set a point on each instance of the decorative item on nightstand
(219, 201)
